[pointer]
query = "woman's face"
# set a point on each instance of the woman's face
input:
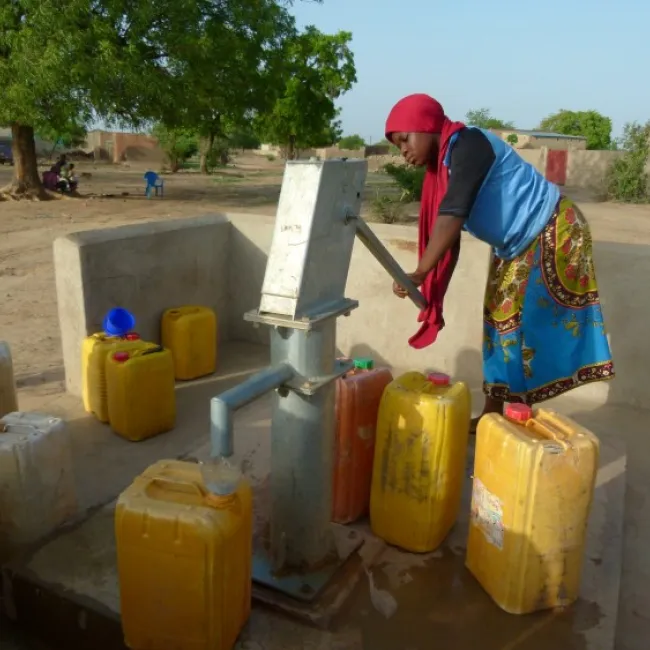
(417, 148)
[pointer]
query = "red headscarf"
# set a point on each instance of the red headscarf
(423, 114)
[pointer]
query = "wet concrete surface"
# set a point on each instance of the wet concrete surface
(439, 604)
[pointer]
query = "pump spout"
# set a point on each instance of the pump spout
(223, 406)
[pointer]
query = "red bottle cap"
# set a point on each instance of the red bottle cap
(121, 356)
(132, 336)
(439, 379)
(519, 412)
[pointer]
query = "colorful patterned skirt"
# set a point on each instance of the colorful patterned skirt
(543, 330)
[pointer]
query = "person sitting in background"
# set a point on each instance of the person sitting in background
(67, 181)
(70, 178)
(58, 166)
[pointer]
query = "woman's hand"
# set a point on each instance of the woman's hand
(417, 278)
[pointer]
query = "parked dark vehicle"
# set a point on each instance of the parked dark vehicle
(5, 154)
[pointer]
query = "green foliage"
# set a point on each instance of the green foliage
(409, 179)
(202, 65)
(178, 144)
(482, 118)
(351, 142)
(589, 124)
(217, 154)
(392, 149)
(387, 209)
(627, 179)
(237, 61)
(317, 68)
(512, 139)
(70, 136)
(244, 138)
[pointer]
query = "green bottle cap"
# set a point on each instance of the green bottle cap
(364, 363)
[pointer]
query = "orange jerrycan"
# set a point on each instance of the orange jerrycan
(184, 559)
(191, 335)
(141, 392)
(94, 352)
(419, 463)
(358, 395)
(534, 477)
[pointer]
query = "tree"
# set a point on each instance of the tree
(244, 138)
(482, 118)
(589, 124)
(627, 179)
(237, 61)
(70, 136)
(512, 139)
(128, 63)
(352, 142)
(318, 68)
(178, 144)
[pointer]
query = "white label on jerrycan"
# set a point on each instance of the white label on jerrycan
(487, 514)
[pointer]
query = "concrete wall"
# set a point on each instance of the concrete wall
(530, 140)
(585, 169)
(536, 157)
(207, 261)
(146, 268)
(589, 168)
(382, 324)
(327, 153)
(117, 147)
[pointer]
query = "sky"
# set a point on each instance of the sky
(523, 60)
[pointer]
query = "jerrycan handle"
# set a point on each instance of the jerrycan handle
(556, 433)
(17, 427)
(158, 348)
(188, 487)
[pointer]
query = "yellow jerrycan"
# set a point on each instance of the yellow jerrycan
(534, 476)
(191, 334)
(94, 352)
(419, 463)
(184, 559)
(141, 392)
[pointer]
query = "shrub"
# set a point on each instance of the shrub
(627, 179)
(409, 179)
(387, 209)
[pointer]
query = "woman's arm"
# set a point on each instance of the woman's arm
(445, 234)
(471, 160)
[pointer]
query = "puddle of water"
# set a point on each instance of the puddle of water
(440, 605)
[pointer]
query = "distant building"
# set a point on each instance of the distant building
(116, 147)
(537, 139)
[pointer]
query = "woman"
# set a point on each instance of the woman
(543, 331)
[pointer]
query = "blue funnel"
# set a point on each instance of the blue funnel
(118, 322)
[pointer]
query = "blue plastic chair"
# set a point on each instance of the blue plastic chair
(155, 183)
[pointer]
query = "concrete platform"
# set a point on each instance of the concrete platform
(70, 586)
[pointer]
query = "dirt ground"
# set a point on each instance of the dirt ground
(114, 195)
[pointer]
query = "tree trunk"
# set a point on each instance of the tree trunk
(208, 143)
(26, 181)
(291, 149)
